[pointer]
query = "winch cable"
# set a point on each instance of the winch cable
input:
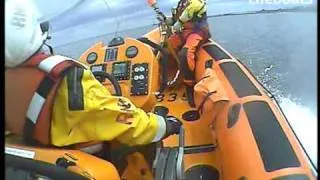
(115, 18)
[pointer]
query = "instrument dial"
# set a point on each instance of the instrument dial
(92, 57)
(132, 52)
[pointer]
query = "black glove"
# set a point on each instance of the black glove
(172, 126)
(172, 123)
(160, 17)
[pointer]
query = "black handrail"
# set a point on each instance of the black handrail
(163, 61)
(41, 168)
(112, 79)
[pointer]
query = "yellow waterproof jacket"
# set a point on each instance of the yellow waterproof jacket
(84, 111)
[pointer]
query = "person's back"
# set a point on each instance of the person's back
(55, 100)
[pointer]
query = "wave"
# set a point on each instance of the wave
(304, 123)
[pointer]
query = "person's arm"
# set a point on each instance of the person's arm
(84, 110)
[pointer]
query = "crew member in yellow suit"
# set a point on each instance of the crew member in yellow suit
(57, 101)
(190, 29)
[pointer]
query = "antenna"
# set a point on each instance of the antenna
(116, 18)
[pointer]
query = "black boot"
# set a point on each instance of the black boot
(189, 94)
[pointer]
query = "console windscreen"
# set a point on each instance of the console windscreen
(111, 54)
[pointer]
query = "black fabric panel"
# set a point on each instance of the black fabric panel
(243, 178)
(199, 149)
(45, 87)
(187, 73)
(75, 89)
(274, 146)
(239, 80)
(28, 130)
(17, 174)
(209, 63)
(293, 177)
(215, 52)
(233, 115)
(190, 96)
(202, 172)
(156, 47)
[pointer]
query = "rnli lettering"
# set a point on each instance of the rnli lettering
(172, 97)
(19, 18)
(125, 106)
(160, 97)
(125, 118)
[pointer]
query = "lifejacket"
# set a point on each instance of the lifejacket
(198, 23)
(29, 95)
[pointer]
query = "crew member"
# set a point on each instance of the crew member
(190, 29)
(57, 101)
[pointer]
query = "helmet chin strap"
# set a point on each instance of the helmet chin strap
(50, 48)
(45, 29)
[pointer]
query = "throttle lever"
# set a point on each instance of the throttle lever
(169, 161)
(180, 164)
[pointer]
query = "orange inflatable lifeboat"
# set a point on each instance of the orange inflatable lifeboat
(240, 133)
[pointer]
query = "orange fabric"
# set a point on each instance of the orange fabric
(35, 60)
(192, 41)
(20, 85)
(192, 44)
(176, 40)
(213, 104)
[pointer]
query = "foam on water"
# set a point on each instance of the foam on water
(304, 123)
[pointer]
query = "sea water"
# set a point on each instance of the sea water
(281, 50)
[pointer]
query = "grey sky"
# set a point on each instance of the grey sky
(84, 18)
(94, 10)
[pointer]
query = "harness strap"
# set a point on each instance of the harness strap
(37, 102)
(205, 100)
(54, 67)
(208, 64)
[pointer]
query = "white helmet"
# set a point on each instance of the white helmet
(23, 34)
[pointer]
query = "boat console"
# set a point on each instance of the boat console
(131, 63)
